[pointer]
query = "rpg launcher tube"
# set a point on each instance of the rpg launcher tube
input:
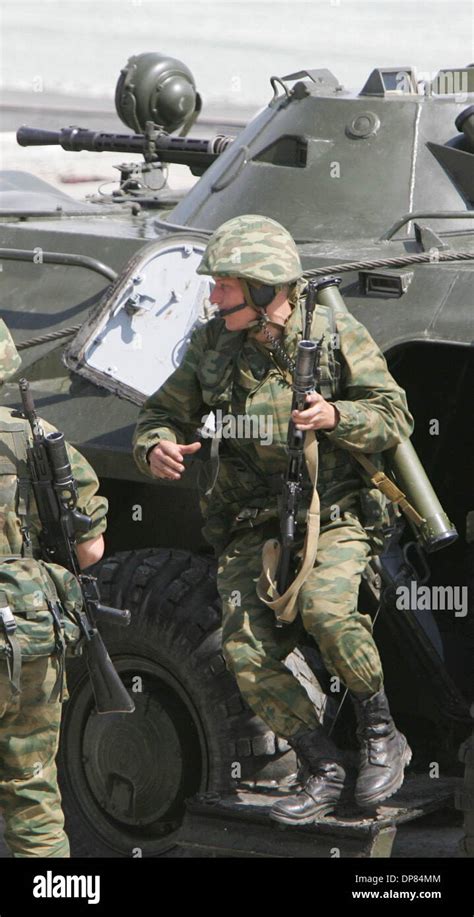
(436, 531)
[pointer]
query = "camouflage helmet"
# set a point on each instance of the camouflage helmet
(10, 359)
(253, 247)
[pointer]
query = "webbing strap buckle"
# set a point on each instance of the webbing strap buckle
(25, 534)
(8, 620)
(248, 513)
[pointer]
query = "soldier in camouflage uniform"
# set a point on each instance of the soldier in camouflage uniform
(32, 644)
(236, 363)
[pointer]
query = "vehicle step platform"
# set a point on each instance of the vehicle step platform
(238, 825)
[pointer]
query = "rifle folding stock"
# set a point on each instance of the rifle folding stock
(109, 692)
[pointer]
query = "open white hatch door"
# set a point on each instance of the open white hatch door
(141, 329)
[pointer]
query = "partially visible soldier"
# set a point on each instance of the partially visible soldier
(35, 630)
(238, 363)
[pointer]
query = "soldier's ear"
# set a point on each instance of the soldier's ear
(261, 294)
(293, 293)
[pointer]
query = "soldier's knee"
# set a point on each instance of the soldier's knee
(318, 619)
(322, 617)
(334, 631)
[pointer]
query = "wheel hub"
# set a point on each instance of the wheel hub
(134, 764)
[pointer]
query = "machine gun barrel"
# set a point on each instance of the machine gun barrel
(155, 147)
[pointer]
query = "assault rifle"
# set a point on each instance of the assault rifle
(55, 491)
(305, 379)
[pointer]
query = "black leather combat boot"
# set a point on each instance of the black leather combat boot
(384, 751)
(321, 765)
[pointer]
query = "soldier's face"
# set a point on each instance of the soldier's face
(226, 294)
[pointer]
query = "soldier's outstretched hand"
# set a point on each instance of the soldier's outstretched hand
(166, 460)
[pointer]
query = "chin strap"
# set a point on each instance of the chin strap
(223, 312)
(262, 321)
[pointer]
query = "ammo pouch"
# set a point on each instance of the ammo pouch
(234, 484)
(37, 601)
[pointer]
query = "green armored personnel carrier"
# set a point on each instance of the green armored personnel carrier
(377, 187)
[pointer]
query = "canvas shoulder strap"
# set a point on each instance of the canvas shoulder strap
(285, 606)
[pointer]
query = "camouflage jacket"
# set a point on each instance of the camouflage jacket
(233, 372)
(26, 582)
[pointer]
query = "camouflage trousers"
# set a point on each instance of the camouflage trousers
(255, 648)
(29, 736)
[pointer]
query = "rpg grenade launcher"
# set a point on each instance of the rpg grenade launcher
(55, 491)
(406, 483)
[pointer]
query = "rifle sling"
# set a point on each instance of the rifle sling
(388, 487)
(57, 692)
(24, 489)
(285, 606)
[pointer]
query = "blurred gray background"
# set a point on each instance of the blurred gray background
(60, 60)
(77, 47)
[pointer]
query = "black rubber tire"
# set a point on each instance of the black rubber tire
(125, 777)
